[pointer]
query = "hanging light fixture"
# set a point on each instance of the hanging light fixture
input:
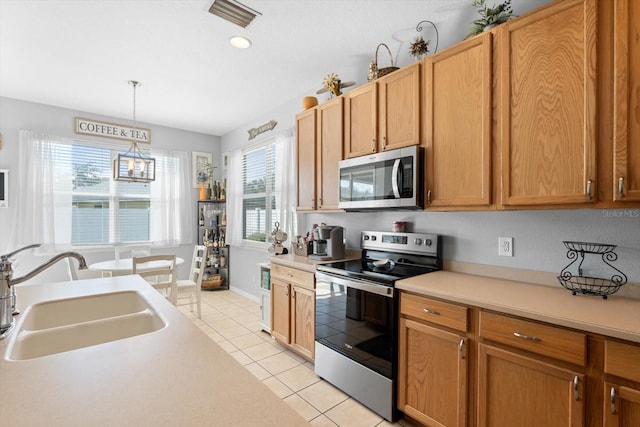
(134, 166)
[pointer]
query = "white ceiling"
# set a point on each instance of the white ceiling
(79, 54)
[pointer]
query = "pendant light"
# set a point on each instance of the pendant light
(134, 166)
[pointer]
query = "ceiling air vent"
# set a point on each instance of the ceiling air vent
(233, 12)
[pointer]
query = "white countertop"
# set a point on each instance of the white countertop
(176, 376)
(309, 264)
(616, 316)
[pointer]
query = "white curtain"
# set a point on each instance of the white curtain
(44, 193)
(234, 199)
(286, 181)
(45, 185)
(171, 207)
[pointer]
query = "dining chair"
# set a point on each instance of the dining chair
(158, 270)
(75, 274)
(188, 290)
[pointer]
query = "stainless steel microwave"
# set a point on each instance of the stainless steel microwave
(387, 180)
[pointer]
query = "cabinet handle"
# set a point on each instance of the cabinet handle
(613, 400)
(286, 291)
(576, 383)
(461, 348)
(526, 337)
(290, 275)
(435, 313)
(384, 142)
(621, 186)
(429, 197)
(589, 197)
(373, 145)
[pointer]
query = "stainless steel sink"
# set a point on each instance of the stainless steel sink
(57, 326)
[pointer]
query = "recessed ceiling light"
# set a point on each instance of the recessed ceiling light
(240, 42)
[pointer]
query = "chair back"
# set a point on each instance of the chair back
(158, 270)
(200, 253)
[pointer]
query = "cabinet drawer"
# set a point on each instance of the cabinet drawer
(546, 340)
(622, 360)
(288, 274)
(434, 311)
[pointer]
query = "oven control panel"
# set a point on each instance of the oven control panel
(420, 243)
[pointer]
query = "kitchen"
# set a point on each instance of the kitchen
(470, 238)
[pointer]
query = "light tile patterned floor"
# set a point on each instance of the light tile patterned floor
(231, 320)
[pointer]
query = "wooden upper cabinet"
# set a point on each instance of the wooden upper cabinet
(626, 104)
(306, 159)
(399, 108)
(360, 128)
(458, 85)
(548, 105)
(329, 153)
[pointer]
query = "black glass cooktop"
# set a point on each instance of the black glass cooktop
(382, 267)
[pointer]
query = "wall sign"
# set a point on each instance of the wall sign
(261, 129)
(112, 130)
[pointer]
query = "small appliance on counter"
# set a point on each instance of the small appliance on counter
(328, 242)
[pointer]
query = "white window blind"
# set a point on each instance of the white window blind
(259, 203)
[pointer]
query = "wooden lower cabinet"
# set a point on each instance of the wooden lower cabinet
(303, 314)
(621, 405)
(516, 390)
(280, 310)
(293, 301)
(622, 389)
(432, 379)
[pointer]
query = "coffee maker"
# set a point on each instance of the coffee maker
(328, 243)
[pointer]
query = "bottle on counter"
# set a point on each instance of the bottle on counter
(215, 190)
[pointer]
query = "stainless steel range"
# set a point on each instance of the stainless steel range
(356, 314)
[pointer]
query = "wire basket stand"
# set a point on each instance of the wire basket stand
(577, 252)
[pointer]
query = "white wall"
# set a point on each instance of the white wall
(16, 115)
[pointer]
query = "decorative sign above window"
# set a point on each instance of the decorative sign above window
(112, 130)
(261, 129)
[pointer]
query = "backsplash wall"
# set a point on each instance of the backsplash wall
(538, 235)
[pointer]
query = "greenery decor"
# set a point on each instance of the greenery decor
(490, 17)
(419, 48)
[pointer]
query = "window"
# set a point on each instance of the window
(103, 211)
(67, 193)
(258, 201)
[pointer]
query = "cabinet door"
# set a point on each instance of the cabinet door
(621, 406)
(626, 103)
(515, 390)
(280, 311)
(458, 122)
(329, 153)
(399, 108)
(306, 158)
(360, 106)
(548, 105)
(303, 316)
(432, 374)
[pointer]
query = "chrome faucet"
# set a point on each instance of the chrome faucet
(7, 291)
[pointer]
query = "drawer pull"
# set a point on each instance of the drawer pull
(435, 313)
(290, 275)
(349, 346)
(613, 400)
(526, 337)
(576, 383)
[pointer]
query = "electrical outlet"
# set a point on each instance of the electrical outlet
(505, 246)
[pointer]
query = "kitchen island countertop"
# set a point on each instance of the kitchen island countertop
(616, 316)
(176, 376)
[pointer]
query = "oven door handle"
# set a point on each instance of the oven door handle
(395, 173)
(385, 291)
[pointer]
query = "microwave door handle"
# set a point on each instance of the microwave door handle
(395, 173)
